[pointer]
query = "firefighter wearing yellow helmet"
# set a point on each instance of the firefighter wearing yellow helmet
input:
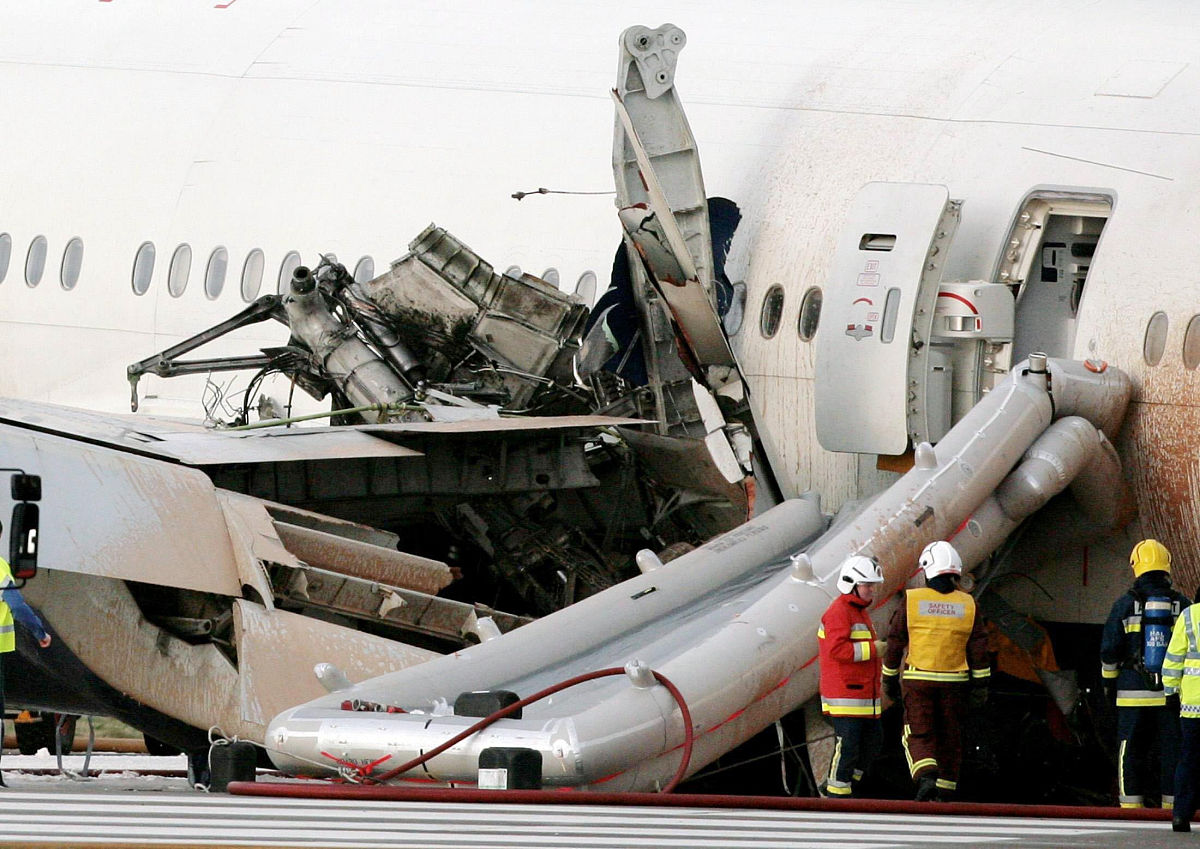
(1132, 651)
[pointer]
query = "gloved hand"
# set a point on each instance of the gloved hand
(978, 697)
(1173, 704)
(1110, 690)
(891, 686)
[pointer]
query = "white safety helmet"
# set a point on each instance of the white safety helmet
(940, 558)
(858, 569)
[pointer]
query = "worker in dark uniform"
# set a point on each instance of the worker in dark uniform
(1181, 679)
(947, 669)
(850, 674)
(1132, 650)
(12, 605)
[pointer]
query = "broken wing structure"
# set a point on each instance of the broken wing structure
(196, 577)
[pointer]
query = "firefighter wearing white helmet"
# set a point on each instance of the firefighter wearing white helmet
(1132, 649)
(947, 657)
(850, 669)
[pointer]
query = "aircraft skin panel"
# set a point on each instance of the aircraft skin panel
(97, 619)
(277, 651)
(116, 515)
(1007, 163)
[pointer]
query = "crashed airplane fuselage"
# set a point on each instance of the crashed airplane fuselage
(915, 224)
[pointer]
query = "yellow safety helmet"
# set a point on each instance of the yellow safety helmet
(1149, 555)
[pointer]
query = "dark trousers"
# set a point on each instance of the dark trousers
(934, 712)
(1185, 772)
(1137, 729)
(858, 740)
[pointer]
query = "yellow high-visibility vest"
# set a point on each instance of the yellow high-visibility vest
(8, 635)
(939, 625)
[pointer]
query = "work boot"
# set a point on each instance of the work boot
(926, 788)
(1180, 823)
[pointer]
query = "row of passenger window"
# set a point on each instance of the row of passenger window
(1154, 344)
(772, 313)
(178, 273)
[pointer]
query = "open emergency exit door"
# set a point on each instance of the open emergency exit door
(879, 385)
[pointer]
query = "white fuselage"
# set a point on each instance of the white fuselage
(346, 127)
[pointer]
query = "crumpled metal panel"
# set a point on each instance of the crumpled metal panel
(118, 515)
(686, 463)
(362, 560)
(407, 609)
(254, 541)
(277, 651)
(320, 522)
(98, 620)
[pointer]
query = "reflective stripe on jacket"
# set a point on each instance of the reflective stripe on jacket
(8, 636)
(1181, 668)
(944, 637)
(850, 665)
(1121, 648)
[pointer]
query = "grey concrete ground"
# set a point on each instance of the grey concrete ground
(125, 807)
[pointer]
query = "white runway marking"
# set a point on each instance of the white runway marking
(97, 816)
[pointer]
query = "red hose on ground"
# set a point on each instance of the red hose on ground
(392, 793)
(688, 734)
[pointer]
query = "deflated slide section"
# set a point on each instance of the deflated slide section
(733, 623)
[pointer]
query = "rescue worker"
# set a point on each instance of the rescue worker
(1132, 649)
(850, 674)
(947, 669)
(12, 605)
(1181, 679)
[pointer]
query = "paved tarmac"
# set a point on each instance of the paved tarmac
(125, 808)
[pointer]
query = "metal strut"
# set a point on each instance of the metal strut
(165, 364)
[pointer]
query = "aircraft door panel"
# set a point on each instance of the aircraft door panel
(873, 379)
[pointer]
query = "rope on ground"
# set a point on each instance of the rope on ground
(348, 772)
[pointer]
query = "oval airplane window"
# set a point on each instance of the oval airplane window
(1156, 339)
(252, 275)
(290, 263)
(181, 268)
(5, 254)
(513, 271)
(72, 263)
(810, 314)
(585, 287)
(364, 270)
(214, 275)
(143, 268)
(550, 275)
(35, 261)
(735, 317)
(1191, 343)
(772, 312)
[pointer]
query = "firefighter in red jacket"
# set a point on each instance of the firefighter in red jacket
(947, 668)
(850, 670)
